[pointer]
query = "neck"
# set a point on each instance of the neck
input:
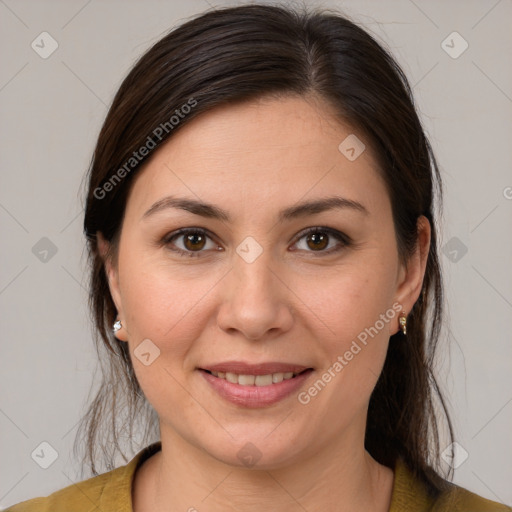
(343, 477)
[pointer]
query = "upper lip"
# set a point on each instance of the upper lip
(241, 368)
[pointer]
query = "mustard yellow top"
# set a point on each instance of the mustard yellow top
(111, 492)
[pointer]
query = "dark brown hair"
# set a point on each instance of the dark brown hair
(238, 54)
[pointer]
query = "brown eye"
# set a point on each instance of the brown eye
(322, 240)
(317, 241)
(194, 242)
(189, 242)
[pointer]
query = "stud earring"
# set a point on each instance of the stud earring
(402, 320)
(117, 326)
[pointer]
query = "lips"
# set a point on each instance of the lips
(255, 385)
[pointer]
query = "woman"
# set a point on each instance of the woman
(263, 244)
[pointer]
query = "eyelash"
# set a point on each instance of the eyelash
(344, 240)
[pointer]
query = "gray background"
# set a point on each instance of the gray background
(51, 112)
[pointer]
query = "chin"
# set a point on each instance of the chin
(255, 450)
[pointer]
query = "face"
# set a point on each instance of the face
(257, 284)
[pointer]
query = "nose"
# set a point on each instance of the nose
(256, 301)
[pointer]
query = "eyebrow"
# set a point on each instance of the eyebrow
(211, 211)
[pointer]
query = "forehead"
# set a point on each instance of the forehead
(260, 152)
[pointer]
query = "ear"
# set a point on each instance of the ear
(410, 277)
(111, 271)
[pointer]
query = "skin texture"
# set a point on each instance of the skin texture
(293, 304)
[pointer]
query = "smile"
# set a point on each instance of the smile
(255, 386)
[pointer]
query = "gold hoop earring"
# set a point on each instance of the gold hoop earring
(402, 320)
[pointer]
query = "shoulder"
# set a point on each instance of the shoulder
(76, 497)
(409, 494)
(108, 491)
(459, 499)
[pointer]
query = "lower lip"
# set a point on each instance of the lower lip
(255, 396)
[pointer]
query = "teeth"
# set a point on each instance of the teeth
(232, 377)
(245, 380)
(277, 377)
(261, 380)
(254, 380)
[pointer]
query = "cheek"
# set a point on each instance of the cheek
(356, 311)
(350, 298)
(160, 298)
(165, 315)
(171, 308)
